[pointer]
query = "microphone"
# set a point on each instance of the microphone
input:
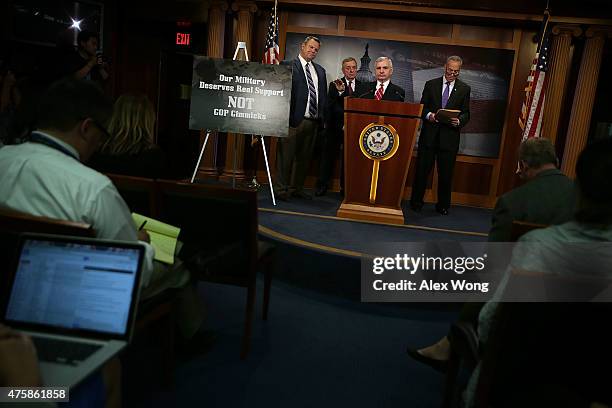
(364, 94)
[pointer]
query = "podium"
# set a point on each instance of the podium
(379, 138)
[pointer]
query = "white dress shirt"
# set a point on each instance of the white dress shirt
(41, 180)
(315, 80)
(352, 85)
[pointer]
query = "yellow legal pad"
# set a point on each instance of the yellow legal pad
(163, 237)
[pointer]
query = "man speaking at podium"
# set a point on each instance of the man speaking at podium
(440, 141)
(382, 89)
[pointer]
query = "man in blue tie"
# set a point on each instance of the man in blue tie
(306, 118)
(439, 141)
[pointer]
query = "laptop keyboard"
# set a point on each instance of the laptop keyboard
(63, 351)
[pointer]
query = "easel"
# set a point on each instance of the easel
(241, 46)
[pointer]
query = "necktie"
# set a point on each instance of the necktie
(350, 87)
(312, 93)
(380, 92)
(445, 95)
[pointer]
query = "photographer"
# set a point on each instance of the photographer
(94, 66)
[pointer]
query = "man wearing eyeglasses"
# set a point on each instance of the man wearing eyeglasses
(439, 140)
(46, 177)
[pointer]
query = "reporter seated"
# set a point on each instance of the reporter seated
(46, 177)
(570, 356)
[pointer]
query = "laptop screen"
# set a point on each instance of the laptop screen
(75, 284)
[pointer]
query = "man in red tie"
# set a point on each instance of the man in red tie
(383, 88)
(334, 131)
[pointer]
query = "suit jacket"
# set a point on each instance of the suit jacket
(432, 101)
(549, 198)
(392, 93)
(335, 105)
(299, 92)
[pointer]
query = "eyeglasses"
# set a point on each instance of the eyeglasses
(101, 128)
(453, 71)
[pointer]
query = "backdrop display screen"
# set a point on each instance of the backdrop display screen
(486, 70)
(240, 97)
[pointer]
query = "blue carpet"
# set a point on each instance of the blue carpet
(314, 350)
(316, 268)
(321, 346)
(460, 218)
(350, 235)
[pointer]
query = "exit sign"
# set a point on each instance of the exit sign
(183, 39)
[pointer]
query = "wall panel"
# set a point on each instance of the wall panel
(398, 26)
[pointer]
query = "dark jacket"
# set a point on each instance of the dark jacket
(392, 93)
(299, 92)
(549, 198)
(432, 101)
(335, 104)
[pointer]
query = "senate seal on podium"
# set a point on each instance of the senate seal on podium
(379, 141)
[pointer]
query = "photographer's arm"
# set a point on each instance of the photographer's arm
(102, 66)
(86, 69)
(103, 73)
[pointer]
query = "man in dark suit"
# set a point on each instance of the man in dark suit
(382, 89)
(548, 196)
(334, 131)
(306, 116)
(440, 141)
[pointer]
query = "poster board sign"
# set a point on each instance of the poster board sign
(240, 97)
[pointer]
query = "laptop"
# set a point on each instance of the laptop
(77, 298)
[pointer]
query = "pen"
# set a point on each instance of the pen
(142, 225)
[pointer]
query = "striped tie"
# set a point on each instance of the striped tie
(380, 92)
(312, 93)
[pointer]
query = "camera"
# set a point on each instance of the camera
(102, 59)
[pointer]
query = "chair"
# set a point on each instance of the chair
(519, 228)
(17, 222)
(140, 194)
(12, 223)
(464, 338)
(544, 355)
(219, 231)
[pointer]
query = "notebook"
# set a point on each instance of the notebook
(163, 237)
(76, 298)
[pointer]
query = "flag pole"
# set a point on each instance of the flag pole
(541, 39)
(275, 6)
(274, 22)
(536, 87)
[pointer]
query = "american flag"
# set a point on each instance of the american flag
(535, 91)
(271, 52)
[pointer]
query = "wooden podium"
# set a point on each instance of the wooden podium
(367, 195)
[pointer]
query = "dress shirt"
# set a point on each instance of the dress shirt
(41, 180)
(347, 84)
(385, 85)
(315, 80)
